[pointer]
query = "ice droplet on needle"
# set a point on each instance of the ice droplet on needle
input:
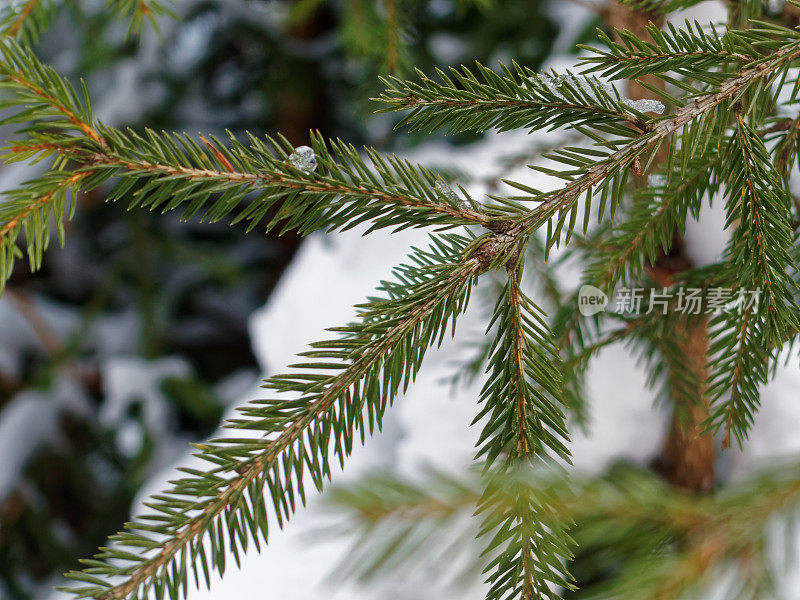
(303, 158)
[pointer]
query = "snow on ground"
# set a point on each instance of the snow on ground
(30, 419)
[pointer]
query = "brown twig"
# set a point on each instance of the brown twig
(16, 26)
(13, 223)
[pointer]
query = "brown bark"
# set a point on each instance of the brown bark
(687, 456)
(791, 15)
(636, 21)
(301, 105)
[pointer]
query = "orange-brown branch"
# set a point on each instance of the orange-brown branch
(86, 128)
(40, 202)
(16, 26)
(519, 359)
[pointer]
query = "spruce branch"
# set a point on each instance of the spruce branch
(371, 361)
(48, 97)
(28, 211)
(524, 422)
(785, 135)
(521, 396)
(161, 167)
(695, 54)
(27, 20)
(519, 98)
(659, 208)
(592, 172)
(664, 7)
(30, 15)
(527, 546)
(594, 176)
(346, 385)
(662, 541)
(170, 171)
(396, 524)
(139, 10)
(759, 260)
(347, 192)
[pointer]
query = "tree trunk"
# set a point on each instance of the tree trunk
(687, 456)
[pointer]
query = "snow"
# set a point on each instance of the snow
(714, 11)
(191, 43)
(656, 180)
(19, 336)
(449, 195)
(555, 83)
(132, 381)
(30, 421)
(645, 105)
(303, 158)
(448, 48)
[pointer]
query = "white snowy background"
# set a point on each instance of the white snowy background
(427, 426)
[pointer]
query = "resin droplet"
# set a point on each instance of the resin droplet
(304, 159)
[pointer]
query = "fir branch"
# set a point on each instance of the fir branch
(759, 260)
(519, 98)
(701, 55)
(524, 422)
(371, 361)
(595, 175)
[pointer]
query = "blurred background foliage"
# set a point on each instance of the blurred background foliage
(133, 339)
